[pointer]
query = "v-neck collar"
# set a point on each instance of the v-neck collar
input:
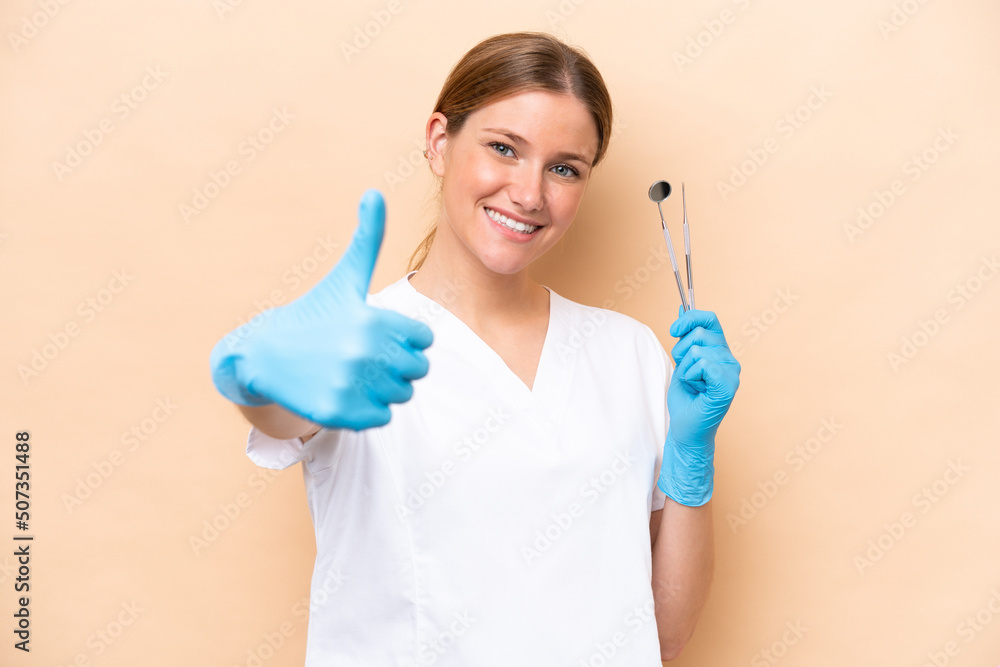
(543, 383)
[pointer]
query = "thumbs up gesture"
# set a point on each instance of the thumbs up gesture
(328, 356)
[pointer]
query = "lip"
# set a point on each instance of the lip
(508, 233)
(515, 218)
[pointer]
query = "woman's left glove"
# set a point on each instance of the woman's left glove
(701, 390)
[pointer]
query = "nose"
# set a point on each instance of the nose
(527, 189)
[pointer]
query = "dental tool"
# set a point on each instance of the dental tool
(658, 192)
(687, 247)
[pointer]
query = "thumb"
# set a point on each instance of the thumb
(353, 272)
(673, 327)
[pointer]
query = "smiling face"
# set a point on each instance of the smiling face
(521, 161)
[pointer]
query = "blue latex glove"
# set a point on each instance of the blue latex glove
(704, 382)
(328, 356)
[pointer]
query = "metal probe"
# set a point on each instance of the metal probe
(687, 247)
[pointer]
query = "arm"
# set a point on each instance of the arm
(278, 422)
(683, 561)
(701, 389)
(328, 358)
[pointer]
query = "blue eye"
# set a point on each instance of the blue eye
(569, 171)
(500, 147)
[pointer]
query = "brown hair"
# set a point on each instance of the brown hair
(511, 63)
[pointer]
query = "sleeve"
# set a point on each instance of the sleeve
(660, 498)
(274, 453)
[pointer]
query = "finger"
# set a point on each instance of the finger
(353, 272)
(386, 377)
(412, 332)
(698, 336)
(411, 365)
(371, 415)
(395, 390)
(688, 371)
(721, 374)
(713, 371)
(398, 360)
(695, 318)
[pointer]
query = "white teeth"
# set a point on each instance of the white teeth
(511, 224)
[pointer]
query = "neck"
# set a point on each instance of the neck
(477, 295)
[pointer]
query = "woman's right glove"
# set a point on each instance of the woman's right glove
(328, 356)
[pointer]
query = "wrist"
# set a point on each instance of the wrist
(687, 473)
(226, 361)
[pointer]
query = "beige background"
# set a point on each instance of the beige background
(781, 241)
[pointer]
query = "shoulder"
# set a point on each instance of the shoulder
(398, 295)
(608, 329)
(607, 322)
(391, 292)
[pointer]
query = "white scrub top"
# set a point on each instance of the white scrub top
(486, 523)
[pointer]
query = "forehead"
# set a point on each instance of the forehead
(543, 118)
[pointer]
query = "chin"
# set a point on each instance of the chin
(505, 265)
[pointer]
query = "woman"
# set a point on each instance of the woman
(499, 513)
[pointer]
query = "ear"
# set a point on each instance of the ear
(437, 141)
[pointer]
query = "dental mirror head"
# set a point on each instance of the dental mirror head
(659, 191)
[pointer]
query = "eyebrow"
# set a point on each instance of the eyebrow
(518, 139)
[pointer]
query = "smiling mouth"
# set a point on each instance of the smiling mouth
(510, 224)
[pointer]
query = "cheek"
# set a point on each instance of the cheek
(477, 177)
(567, 203)
(485, 174)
